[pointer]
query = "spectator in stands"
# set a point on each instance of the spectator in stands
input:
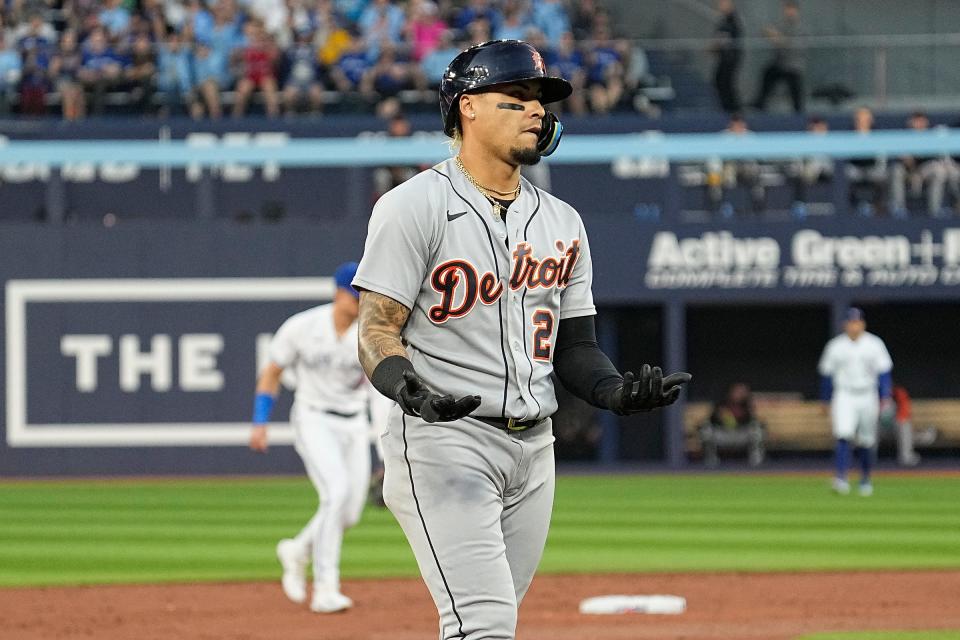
(566, 61)
(475, 11)
(34, 83)
(349, 70)
(380, 23)
(301, 16)
(350, 9)
(386, 178)
(804, 173)
(516, 21)
(330, 38)
(11, 66)
(425, 29)
(303, 76)
(789, 59)
(140, 73)
(868, 177)
(272, 17)
(259, 57)
(226, 36)
(391, 74)
(35, 35)
(478, 32)
(914, 174)
(199, 22)
(435, 63)
(101, 68)
(605, 68)
(584, 18)
(734, 423)
(211, 74)
(174, 78)
(727, 46)
(115, 18)
(725, 175)
(551, 18)
(65, 72)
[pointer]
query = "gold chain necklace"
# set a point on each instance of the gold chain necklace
(498, 209)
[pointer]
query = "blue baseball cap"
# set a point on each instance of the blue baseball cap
(854, 314)
(344, 275)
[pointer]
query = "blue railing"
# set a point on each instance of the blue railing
(575, 149)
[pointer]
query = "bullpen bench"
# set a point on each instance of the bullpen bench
(795, 424)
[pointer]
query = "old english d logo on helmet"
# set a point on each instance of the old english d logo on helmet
(538, 62)
(492, 63)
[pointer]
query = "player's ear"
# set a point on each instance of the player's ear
(468, 108)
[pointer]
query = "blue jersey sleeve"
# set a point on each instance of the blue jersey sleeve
(826, 388)
(885, 384)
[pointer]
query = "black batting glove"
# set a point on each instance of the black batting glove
(648, 391)
(415, 399)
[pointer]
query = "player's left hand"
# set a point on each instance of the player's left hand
(258, 438)
(649, 391)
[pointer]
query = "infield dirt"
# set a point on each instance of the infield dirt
(728, 606)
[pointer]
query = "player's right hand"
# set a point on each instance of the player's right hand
(416, 399)
(258, 438)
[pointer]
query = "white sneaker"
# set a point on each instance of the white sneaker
(327, 600)
(841, 487)
(294, 563)
(866, 490)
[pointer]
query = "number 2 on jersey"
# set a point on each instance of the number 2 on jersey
(543, 320)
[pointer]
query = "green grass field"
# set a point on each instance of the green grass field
(88, 532)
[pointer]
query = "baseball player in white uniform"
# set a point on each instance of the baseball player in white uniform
(475, 287)
(855, 377)
(332, 435)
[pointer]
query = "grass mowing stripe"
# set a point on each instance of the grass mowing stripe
(224, 529)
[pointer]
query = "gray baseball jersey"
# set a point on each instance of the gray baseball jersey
(485, 295)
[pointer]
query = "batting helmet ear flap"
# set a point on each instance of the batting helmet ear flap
(550, 131)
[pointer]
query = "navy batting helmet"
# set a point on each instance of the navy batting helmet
(492, 63)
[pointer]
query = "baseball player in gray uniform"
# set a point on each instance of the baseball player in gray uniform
(855, 377)
(475, 287)
(331, 435)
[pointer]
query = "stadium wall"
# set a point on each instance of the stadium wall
(133, 349)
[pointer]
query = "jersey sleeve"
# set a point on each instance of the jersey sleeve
(884, 361)
(576, 299)
(283, 346)
(826, 365)
(397, 249)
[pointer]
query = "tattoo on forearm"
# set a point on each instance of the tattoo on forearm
(381, 320)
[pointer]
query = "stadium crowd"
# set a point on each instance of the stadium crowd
(210, 57)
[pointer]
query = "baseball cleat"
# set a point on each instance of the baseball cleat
(866, 490)
(294, 563)
(841, 487)
(327, 600)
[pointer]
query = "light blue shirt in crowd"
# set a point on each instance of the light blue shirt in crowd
(551, 18)
(116, 20)
(10, 67)
(173, 69)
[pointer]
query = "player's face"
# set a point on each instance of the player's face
(855, 328)
(510, 118)
(347, 303)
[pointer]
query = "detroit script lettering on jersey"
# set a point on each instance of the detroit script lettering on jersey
(527, 271)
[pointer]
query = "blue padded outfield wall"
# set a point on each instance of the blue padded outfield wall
(144, 336)
(132, 340)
